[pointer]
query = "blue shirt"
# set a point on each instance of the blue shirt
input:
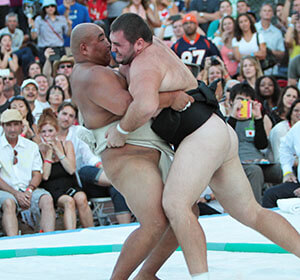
(195, 52)
(78, 14)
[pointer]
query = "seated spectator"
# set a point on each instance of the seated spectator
(49, 29)
(7, 58)
(41, 101)
(3, 100)
(34, 69)
(250, 69)
(63, 81)
(29, 89)
(20, 176)
(89, 167)
(268, 93)
(281, 129)
(289, 147)
(225, 10)
(29, 127)
(55, 96)
(252, 138)
(58, 173)
(246, 40)
(11, 87)
(224, 43)
(62, 66)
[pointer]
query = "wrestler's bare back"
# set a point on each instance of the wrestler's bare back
(100, 94)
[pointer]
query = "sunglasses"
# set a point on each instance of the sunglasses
(65, 66)
(8, 78)
(53, 6)
(15, 160)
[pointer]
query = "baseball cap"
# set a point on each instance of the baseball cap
(47, 3)
(189, 18)
(29, 81)
(11, 115)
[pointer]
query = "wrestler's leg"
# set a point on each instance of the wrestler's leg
(233, 191)
(197, 158)
(134, 172)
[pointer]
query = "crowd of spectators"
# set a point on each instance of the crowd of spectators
(224, 43)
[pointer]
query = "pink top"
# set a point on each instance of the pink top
(230, 64)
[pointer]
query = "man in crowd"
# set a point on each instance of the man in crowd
(242, 7)
(11, 87)
(193, 47)
(20, 175)
(210, 139)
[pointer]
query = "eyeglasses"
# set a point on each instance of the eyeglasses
(15, 160)
(65, 66)
(8, 78)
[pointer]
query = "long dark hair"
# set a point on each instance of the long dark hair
(68, 80)
(238, 30)
(289, 113)
(54, 87)
(29, 116)
(43, 12)
(280, 105)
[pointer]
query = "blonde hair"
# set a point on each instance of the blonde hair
(256, 64)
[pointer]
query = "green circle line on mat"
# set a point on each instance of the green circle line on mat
(116, 248)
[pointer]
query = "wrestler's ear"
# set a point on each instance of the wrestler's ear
(83, 48)
(139, 44)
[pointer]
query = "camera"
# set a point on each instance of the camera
(214, 60)
(71, 192)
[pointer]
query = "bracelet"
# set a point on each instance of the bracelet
(286, 173)
(98, 164)
(226, 76)
(28, 189)
(122, 131)
(291, 25)
(9, 59)
(48, 161)
(33, 30)
(62, 157)
(163, 26)
(23, 135)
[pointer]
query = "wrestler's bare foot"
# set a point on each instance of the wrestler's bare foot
(144, 276)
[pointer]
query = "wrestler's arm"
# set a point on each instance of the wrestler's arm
(108, 92)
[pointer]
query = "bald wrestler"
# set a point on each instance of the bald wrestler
(135, 169)
(207, 148)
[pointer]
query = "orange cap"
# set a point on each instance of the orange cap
(190, 18)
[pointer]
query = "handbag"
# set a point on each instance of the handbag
(270, 59)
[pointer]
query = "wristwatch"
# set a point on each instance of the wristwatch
(207, 197)
(201, 14)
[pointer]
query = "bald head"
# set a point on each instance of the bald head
(82, 33)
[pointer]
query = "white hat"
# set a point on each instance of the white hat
(29, 81)
(47, 3)
(11, 115)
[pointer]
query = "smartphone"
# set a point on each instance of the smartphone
(55, 56)
(71, 192)
(246, 110)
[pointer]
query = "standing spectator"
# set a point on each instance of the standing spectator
(224, 43)
(207, 11)
(11, 87)
(76, 12)
(7, 58)
(246, 39)
(193, 47)
(272, 35)
(29, 89)
(3, 100)
(292, 37)
(289, 147)
(49, 28)
(252, 138)
(20, 176)
(225, 10)
(286, 11)
(58, 173)
(98, 10)
(281, 129)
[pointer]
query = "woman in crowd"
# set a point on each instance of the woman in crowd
(292, 38)
(30, 130)
(224, 44)
(63, 81)
(246, 41)
(250, 69)
(58, 173)
(7, 58)
(142, 8)
(281, 129)
(49, 29)
(34, 69)
(55, 96)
